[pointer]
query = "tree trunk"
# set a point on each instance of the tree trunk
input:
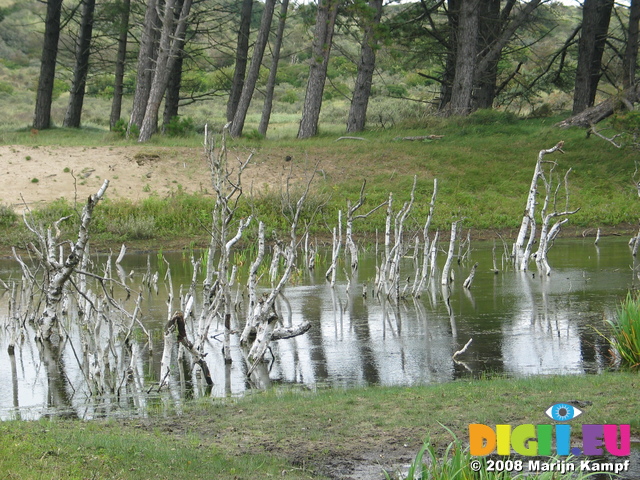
(172, 95)
(145, 67)
(44, 96)
(366, 65)
(320, 50)
(58, 273)
(249, 86)
(595, 24)
(242, 58)
(116, 104)
(271, 82)
(489, 29)
(466, 52)
(498, 34)
(172, 31)
(453, 18)
(83, 51)
(631, 49)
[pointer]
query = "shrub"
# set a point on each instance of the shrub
(179, 126)
(7, 216)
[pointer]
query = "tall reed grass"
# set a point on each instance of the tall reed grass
(626, 331)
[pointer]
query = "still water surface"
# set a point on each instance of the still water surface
(521, 324)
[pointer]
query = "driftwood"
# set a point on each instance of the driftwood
(419, 138)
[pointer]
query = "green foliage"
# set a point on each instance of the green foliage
(290, 96)
(8, 216)
(179, 126)
(59, 87)
(293, 74)
(120, 127)
(396, 90)
(6, 88)
(626, 331)
(491, 117)
(101, 86)
(628, 122)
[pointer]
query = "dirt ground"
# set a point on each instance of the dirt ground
(31, 176)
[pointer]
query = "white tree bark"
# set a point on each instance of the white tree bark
(446, 270)
(527, 227)
(60, 272)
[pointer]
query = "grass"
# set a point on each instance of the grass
(42, 450)
(483, 165)
(626, 331)
(299, 432)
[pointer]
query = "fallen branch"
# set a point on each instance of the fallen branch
(350, 138)
(419, 138)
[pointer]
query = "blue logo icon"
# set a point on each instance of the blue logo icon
(563, 412)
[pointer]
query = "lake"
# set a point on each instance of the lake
(520, 324)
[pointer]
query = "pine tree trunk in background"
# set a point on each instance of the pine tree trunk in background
(631, 49)
(466, 51)
(489, 27)
(362, 88)
(83, 51)
(44, 96)
(171, 38)
(595, 24)
(242, 58)
(453, 17)
(172, 95)
(116, 104)
(249, 86)
(319, 61)
(145, 66)
(271, 81)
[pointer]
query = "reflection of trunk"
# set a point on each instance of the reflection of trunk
(57, 396)
(14, 383)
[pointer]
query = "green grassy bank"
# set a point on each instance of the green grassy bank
(302, 433)
(483, 163)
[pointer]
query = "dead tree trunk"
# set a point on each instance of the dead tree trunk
(59, 270)
(528, 226)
